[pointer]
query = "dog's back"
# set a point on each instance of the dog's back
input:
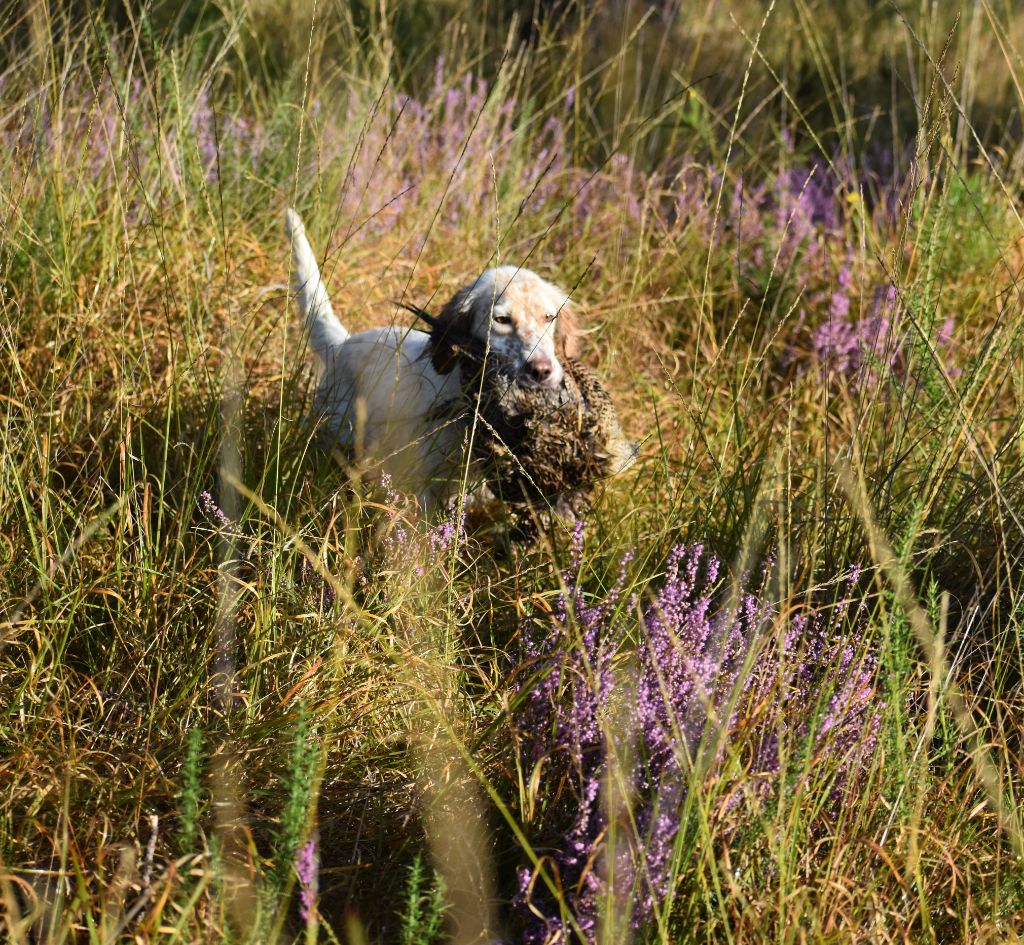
(378, 396)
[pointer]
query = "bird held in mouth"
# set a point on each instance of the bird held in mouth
(541, 445)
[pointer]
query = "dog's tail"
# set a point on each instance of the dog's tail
(325, 331)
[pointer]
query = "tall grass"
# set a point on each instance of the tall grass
(769, 690)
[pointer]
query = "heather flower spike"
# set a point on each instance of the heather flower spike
(307, 870)
(213, 511)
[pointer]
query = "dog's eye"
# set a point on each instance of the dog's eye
(500, 319)
(551, 316)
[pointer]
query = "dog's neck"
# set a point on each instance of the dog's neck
(449, 347)
(449, 353)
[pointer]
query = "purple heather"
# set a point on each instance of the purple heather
(307, 869)
(694, 654)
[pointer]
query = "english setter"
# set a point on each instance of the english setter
(382, 394)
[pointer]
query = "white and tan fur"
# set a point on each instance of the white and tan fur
(381, 393)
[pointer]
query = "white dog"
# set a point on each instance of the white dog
(381, 394)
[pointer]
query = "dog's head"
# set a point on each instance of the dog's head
(526, 320)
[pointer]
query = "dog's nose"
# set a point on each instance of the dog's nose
(540, 369)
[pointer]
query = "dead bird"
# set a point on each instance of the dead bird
(547, 446)
(542, 446)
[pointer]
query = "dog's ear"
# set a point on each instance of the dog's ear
(568, 334)
(454, 327)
